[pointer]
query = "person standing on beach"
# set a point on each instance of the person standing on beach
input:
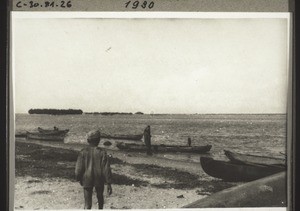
(147, 139)
(93, 170)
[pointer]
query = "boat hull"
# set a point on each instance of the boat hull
(45, 137)
(266, 192)
(53, 132)
(246, 158)
(123, 137)
(164, 148)
(237, 172)
(20, 135)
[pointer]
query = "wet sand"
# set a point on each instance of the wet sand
(45, 179)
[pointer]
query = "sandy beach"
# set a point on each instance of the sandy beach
(44, 179)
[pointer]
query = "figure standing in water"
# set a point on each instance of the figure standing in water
(189, 141)
(147, 139)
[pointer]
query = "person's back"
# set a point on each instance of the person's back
(96, 168)
(93, 170)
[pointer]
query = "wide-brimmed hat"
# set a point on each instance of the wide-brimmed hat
(93, 134)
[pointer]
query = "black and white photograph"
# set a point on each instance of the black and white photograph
(120, 110)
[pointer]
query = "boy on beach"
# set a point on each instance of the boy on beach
(93, 170)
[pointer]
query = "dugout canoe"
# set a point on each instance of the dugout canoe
(123, 137)
(20, 134)
(246, 158)
(233, 172)
(270, 191)
(163, 148)
(54, 132)
(45, 137)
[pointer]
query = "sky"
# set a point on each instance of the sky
(151, 65)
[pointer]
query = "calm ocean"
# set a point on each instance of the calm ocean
(254, 134)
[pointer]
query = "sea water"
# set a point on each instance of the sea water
(260, 134)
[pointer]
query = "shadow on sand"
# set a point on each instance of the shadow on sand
(47, 162)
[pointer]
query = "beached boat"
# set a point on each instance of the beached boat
(123, 137)
(47, 137)
(266, 192)
(54, 132)
(246, 158)
(163, 148)
(233, 172)
(21, 134)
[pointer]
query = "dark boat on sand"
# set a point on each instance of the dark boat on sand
(123, 137)
(54, 132)
(46, 137)
(270, 191)
(20, 134)
(233, 172)
(246, 158)
(163, 148)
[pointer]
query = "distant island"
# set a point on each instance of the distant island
(55, 111)
(113, 113)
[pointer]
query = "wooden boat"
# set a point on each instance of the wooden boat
(246, 158)
(20, 134)
(163, 148)
(123, 137)
(233, 172)
(270, 191)
(47, 137)
(54, 132)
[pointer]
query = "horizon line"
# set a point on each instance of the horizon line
(134, 113)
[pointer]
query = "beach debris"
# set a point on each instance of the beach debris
(199, 192)
(132, 185)
(266, 188)
(125, 207)
(22, 157)
(40, 192)
(129, 155)
(107, 143)
(34, 181)
(180, 196)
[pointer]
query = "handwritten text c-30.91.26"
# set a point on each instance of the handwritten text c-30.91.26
(45, 4)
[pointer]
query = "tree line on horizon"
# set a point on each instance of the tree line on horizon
(55, 111)
(75, 111)
(114, 113)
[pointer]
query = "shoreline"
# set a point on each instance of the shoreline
(45, 179)
(130, 157)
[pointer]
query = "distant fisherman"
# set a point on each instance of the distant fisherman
(93, 170)
(147, 139)
(189, 141)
